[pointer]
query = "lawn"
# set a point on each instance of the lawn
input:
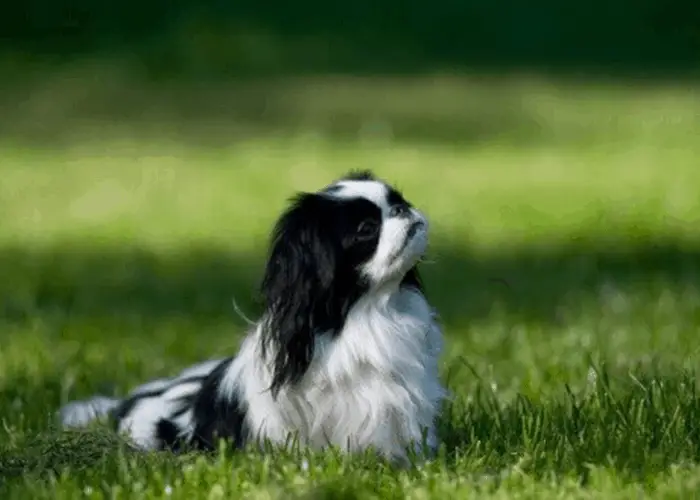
(565, 263)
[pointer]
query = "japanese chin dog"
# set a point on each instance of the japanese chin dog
(345, 352)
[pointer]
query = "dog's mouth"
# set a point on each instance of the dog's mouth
(410, 234)
(413, 230)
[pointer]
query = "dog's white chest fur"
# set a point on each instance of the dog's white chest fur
(375, 384)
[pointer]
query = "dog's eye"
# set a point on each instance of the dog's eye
(367, 228)
(399, 210)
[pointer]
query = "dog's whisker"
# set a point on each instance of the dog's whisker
(240, 313)
(427, 260)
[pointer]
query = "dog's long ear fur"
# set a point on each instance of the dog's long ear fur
(300, 292)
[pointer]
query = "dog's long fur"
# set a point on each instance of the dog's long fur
(345, 353)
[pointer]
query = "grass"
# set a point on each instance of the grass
(565, 263)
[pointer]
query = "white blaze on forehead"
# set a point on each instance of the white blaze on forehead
(374, 191)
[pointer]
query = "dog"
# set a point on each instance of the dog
(345, 352)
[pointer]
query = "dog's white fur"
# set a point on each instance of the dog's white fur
(377, 384)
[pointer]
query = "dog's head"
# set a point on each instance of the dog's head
(357, 236)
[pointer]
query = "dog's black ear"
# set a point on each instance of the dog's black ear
(298, 286)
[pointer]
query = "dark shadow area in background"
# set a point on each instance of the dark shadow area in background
(199, 284)
(214, 38)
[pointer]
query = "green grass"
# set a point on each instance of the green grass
(565, 262)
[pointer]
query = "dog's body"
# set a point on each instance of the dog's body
(346, 352)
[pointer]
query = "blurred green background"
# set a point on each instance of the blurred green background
(198, 68)
(146, 149)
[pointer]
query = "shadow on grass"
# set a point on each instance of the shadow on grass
(53, 451)
(199, 284)
(99, 284)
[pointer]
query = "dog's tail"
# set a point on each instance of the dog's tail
(77, 414)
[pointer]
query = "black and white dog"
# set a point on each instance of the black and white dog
(345, 353)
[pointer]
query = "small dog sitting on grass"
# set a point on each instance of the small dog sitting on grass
(345, 353)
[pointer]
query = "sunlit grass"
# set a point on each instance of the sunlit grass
(564, 263)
